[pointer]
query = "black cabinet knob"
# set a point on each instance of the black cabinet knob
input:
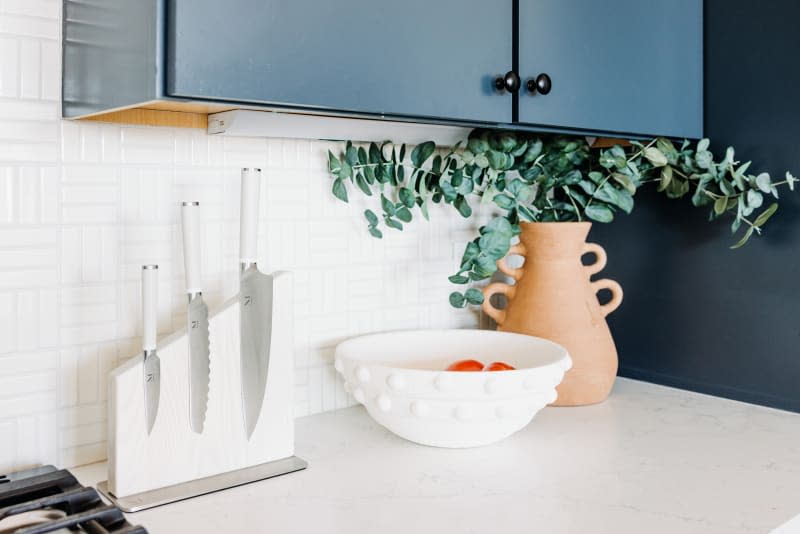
(541, 84)
(510, 82)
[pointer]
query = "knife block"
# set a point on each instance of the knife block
(172, 454)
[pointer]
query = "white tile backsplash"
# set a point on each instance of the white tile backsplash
(84, 204)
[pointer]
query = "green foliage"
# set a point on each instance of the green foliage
(545, 178)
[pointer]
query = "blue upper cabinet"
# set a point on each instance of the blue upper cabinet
(413, 58)
(621, 66)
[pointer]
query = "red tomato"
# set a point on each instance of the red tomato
(499, 366)
(465, 365)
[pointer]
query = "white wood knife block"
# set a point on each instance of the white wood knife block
(172, 453)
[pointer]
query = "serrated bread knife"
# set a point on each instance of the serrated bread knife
(152, 365)
(196, 318)
(255, 305)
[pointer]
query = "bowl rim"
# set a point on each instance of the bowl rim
(343, 351)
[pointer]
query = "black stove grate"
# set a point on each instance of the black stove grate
(45, 488)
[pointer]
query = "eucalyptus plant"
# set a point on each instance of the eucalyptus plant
(545, 178)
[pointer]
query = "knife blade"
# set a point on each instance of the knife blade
(197, 319)
(255, 306)
(152, 365)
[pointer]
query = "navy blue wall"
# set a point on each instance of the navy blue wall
(696, 314)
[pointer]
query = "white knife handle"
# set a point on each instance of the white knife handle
(248, 234)
(149, 306)
(190, 224)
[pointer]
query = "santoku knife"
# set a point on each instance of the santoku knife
(255, 305)
(152, 365)
(197, 318)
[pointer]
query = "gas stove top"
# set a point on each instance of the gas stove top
(46, 499)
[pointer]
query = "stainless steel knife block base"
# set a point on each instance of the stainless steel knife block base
(201, 486)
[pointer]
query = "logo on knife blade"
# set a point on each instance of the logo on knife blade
(247, 300)
(195, 324)
(149, 377)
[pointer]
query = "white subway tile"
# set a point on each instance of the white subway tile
(83, 454)
(71, 143)
(30, 69)
(49, 194)
(28, 278)
(50, 9)
(28, 131)
(29, 110)
(8, 188)
(88, 376)
(30, 362)
(50, 77)
(21, 385)
(88, 214)
(9, 66)
(27, 320)
(68, 377)
(28, 404)
(148, 145)
(29, 26)
(8, 447)
(28, 152)
(82, 415)
(27, 237)
(83, 435)
(18, 258)
(8, 324)
(48, 318)
(29, 195)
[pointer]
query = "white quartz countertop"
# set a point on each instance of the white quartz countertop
(650, 459)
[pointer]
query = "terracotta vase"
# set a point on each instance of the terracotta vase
(554, 298)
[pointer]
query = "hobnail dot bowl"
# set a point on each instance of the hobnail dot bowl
(399, 378)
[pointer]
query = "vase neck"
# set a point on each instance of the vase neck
(554, 240)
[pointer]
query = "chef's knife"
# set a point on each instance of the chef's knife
(197, 318)
(255, 305)
(152, 366)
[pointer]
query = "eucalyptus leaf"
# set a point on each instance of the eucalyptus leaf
(362, 184)
(374, 154)
(744, 238)
(407, 196)
(599, 213)
(765, 215)
(339, 190)
(720, 205)
(763, 182)
(372, 219)
(391, 223)
(334, 165)
(655, 156)
(422, 152)
(462, 206)
(403, 214)
(754, 199)
(473, 296)
(457, 300)
(387, 205)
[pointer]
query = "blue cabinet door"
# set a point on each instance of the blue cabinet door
(626, 66)
(413, 58)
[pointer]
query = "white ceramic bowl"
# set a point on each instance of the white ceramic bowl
(399, 377)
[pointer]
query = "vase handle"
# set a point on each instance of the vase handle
(503, 267)
(497, 314)
(600, 258)
(616, 295)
